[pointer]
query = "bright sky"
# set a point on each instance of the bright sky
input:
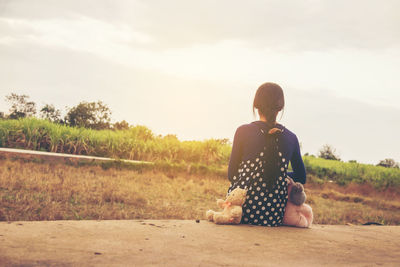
(191, 68)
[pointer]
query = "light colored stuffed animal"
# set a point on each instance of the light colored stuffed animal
(232, 213)
(297, 213)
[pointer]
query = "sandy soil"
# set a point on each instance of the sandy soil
(187, 243)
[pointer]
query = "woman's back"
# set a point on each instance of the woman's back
(248, 168)
(249, 141)
(261, 153)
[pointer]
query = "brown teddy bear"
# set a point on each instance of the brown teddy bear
(297, 213)
(232, 213)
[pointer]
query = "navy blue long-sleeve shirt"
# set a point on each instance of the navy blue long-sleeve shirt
(249, 139)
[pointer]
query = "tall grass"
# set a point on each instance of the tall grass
(136, 143)
(344, 173)
(49, 191)
(140, 143)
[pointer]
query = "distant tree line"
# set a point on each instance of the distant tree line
(93, 115)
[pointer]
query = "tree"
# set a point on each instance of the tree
(328, 152)
(122, 125)
(388, 163)
(49, 112)
(95, 115)
(20, 106)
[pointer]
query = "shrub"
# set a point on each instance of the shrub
(328, 152)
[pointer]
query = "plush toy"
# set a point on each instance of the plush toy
(232, 213)
(297, 213)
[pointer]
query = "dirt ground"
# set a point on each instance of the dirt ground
(188, 243)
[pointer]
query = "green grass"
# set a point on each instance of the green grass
(139, 143)
(344, 173)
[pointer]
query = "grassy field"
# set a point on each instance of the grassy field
(136, 143)
(140, 143)
(53, 191)
(344, 173)
(183, 183)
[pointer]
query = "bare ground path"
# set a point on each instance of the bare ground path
(187, 243)
(24, 153)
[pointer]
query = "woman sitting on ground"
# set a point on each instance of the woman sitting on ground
(259, 161)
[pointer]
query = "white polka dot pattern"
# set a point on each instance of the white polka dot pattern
(262, 207)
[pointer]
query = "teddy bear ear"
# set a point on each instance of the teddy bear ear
(301, 187)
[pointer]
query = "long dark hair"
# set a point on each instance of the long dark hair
(269, 100)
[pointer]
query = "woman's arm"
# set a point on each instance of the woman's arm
(236, 155)
(299, 172)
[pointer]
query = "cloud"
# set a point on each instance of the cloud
(229, 61)
(82, 33)
(281, 25)
(191, 68)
